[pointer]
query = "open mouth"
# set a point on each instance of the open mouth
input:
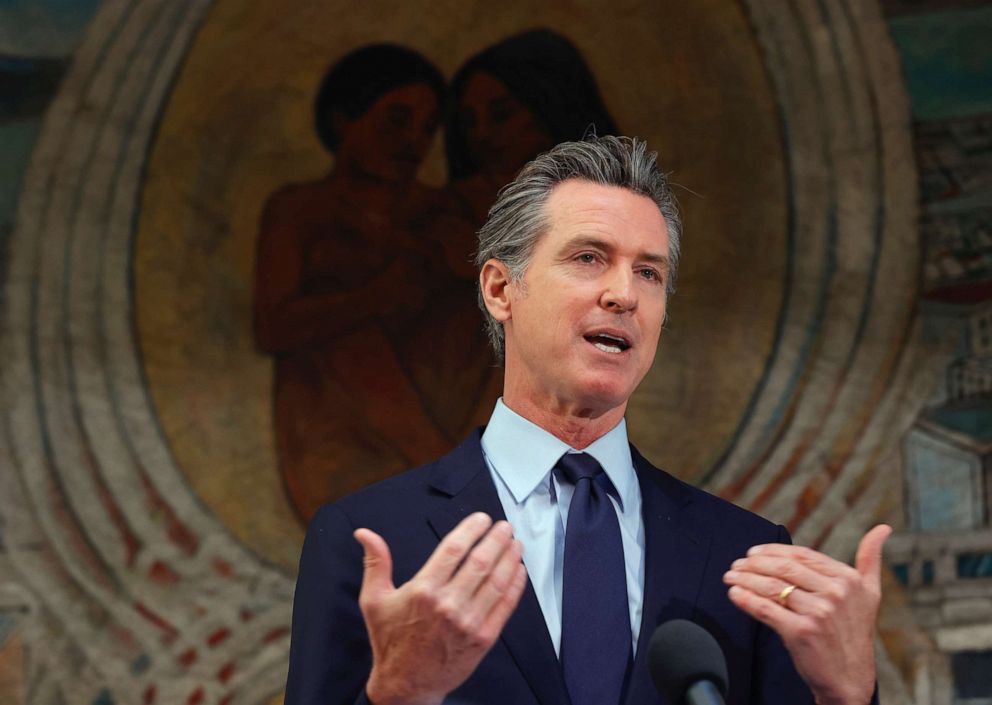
(608, 343)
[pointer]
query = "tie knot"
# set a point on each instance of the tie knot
(579, 466)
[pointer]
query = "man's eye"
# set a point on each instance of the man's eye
(587, 257)
(650, 274)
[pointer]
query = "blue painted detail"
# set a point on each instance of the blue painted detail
(947, 61)
(972, 676)
(975, 565)
(104, 697)
(901, 571)
(45, 27)
(7, 623)
(973, 420)
(140, 664)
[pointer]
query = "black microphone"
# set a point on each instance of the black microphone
(687, 665)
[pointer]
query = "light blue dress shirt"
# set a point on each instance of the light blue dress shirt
(521, 456)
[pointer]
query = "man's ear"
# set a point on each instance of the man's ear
(494, 280)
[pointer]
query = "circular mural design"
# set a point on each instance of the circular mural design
(152, 521)
(339, 400)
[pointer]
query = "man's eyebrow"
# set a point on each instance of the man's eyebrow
(598, 243)
(661, 260)
(585, 241)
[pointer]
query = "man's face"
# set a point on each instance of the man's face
(582, 326)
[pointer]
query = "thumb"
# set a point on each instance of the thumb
(378, 575)
(868, 560)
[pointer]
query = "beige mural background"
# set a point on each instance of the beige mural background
(236, 130)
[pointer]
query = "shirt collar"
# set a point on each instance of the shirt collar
(523, 454)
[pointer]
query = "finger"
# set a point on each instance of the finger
(755, 582)
(820, 562)
(498, 582)
(481, 560)
(783, 621)
(501, 612)
(377, 577)
(797, 600)
(787, 570)
(453, 548)
(868, 560)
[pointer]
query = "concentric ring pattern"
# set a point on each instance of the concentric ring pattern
(137, 592)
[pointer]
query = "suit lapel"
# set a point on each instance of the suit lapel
(675, 555)
(464, 478)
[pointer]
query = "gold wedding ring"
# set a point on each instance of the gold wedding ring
(784, 595)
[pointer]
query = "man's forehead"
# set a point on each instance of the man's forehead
(580, 211)
(580, 196)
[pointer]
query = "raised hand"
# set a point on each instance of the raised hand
(823, 609)
(428, 635)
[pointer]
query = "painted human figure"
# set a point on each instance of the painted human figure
(509, 102)
(512, 101)
(344, 263)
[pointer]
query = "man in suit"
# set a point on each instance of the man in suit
(535, 560)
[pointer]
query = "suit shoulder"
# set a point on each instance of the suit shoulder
(710, 510)
(389, 494)
(411, 491)
(731, 513)
(732, 526)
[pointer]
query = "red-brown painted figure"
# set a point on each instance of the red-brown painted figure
(344, 265)
(365, 290)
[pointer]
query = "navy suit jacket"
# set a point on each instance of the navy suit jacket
(691, 538)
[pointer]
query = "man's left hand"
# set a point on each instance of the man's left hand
(827, 620)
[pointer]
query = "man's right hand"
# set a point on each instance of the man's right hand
(429, 635)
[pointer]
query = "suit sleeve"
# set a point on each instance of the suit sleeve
(329, 655)
(779, 683)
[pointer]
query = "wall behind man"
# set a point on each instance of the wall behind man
(809, 371)
(942, 558)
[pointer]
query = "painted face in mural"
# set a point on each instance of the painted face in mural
(501, 131)
(584, 325)
(390, 139)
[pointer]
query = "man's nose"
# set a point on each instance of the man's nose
(619, 292)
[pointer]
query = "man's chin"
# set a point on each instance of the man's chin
(602, 395)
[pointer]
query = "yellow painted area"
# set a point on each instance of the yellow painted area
(688, 77)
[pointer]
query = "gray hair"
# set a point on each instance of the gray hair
(518, 218)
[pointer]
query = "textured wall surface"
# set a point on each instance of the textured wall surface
(147, 543)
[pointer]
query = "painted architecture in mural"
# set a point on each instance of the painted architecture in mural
(945, 558)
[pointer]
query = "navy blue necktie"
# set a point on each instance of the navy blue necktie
(595, 616)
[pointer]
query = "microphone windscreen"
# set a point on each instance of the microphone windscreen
(681, 653)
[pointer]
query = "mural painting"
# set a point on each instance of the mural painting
(33, 60)
(944, 558)
(344, 269)
(240, 284)
(381, 365)
(305, 298)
